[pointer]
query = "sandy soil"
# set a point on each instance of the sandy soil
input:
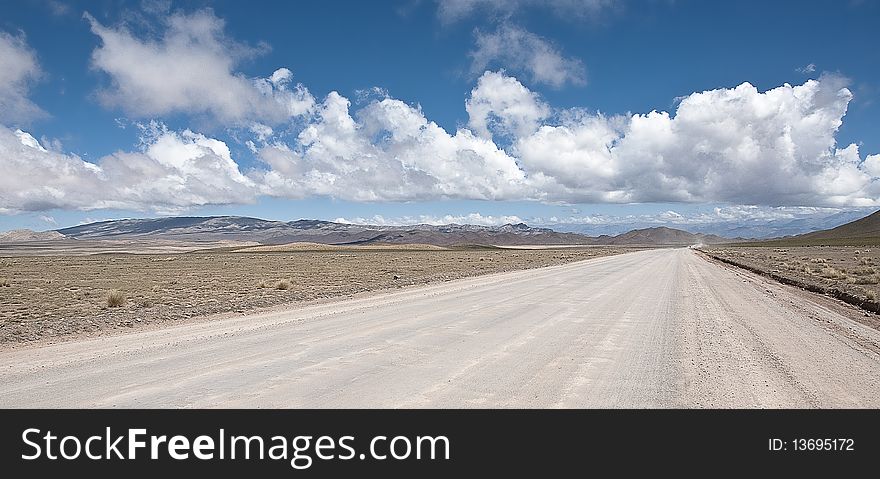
(47, 298)
(658, 328)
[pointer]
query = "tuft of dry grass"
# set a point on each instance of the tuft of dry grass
(4, 283)
(872, 279)
(871, 295)
(832, 273)
(864, 271)
(115, 298)
(282, 284)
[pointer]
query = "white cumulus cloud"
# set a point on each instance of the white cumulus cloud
(519, 50)
(190, 68)
(732, 145)
(500, 104)
(735, 145)
(387, 151)
(18, 68)
(174, 171)
(871, 166)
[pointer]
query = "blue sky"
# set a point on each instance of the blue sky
(550, 136)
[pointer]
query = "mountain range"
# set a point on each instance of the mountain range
(254, 230)
(756, 228)
(237, 228)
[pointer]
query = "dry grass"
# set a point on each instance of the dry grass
(115, 298)
(4, 283)
(872, 279)
(281, 284)
(863, 271)
(832, 273)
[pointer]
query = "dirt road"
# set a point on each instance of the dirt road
(661, 328)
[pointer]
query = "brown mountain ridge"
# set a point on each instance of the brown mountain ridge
(236, 228)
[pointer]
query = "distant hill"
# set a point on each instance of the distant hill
(17, 236)
(662, 235)
(867, 227)
(758, 227)
(861, 232)
(236, 228)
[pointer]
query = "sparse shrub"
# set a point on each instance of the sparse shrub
(284, 284)
(831, 273)
(4, 283)
(872, 279)
(115, 298)
(871, 295)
